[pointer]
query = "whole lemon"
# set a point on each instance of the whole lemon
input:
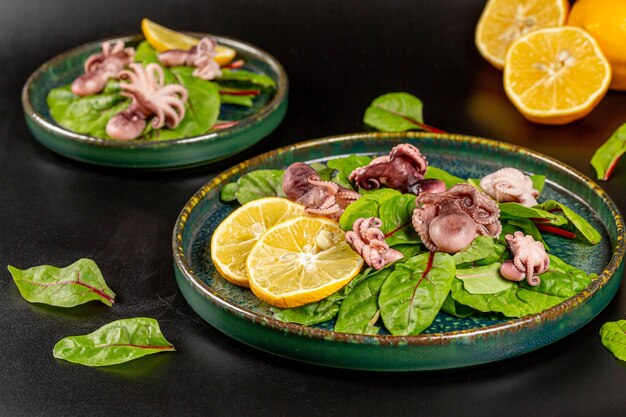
(605, 20)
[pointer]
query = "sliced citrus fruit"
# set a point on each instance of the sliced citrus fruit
(164, 39)
(301, 261)
(556, 75)
(237, 234)
(504, 21)
(605, 20)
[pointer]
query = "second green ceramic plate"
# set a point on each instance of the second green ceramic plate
(253, 123)
(449, 342)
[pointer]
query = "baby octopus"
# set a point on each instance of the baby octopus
(368, 240)
(529, 259)
(321, 198)
(102, 66)
(201, 56)
(449, 221)
(403, 169)
(149, 97)
(510, 184)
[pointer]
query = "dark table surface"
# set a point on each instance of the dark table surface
(339, 56)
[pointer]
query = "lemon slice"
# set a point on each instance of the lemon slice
(235, 236)
(556, 75)
(301, 261)
(164, 39)
(504, 21)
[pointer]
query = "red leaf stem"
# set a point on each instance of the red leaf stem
(556, 230)
(240, 92)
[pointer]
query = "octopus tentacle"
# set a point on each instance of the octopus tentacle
(529, 259)
(510, 185)
(100, 67)
(201, 56)
(368, 240)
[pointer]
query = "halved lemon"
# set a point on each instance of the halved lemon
(236, 235)
(164, 39)
(504, 21)
(301, 261)
(556, 75)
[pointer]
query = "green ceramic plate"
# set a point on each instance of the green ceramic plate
(449, 342)
(255, 123)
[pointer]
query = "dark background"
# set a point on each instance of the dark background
(339, 55)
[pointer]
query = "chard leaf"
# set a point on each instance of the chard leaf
(87, 115)
(539, 181)
(247, 76)
(322, 310)
(559, 283)
(607, 156)
(345, 166)
(440, 174)
(146, 54)
(413, 294)
(117, 342)
(366, 206)
(516, 210)
(481, 248)
(322, 170)
(359, 311)
(483, 279)
(395, 112)
(613, 335)
(579, 223)
(245, 101)
(75, 284)
(254, 185)
(525, 225)
(454, 308)
(396, 214)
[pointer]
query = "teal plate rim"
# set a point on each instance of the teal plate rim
(184, 271)
(282, 86)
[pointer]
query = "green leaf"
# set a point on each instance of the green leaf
(366, 206)
(322, 170)
(201, 110)
(454, 308)
(607, 156)
(510, 226)
(580, 224)
(613, 335)
(559, 283)
(146, 54)
(440, 174)
(255, 185)
(247, 76)
(87, 115)
(245, 101)
(76, 284)
(412, 295)
(516, 210)
(322, 310)
(483, 279)
(359, 311)
(396, 214)
(395, 112)
(481, 248)
(117, 342)
(538, 182)
(345, 166)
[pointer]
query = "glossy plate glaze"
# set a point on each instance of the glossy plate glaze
(449, 342)
(254, 123)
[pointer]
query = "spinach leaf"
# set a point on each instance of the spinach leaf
(395, 112)
(483, 279)
(516, 210)
(359, 311)
(481, 248)
(254, 185)
(454, 308)
(366, 206)
(201, 110)
(579, 223)
(75, 284)
(88, 115)
(247, 76)
(613, 335)
(322, 310)
(440, 174)
(345, 166)
(606, 157)
(559, 283)
(413, 294)
(116, 342)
